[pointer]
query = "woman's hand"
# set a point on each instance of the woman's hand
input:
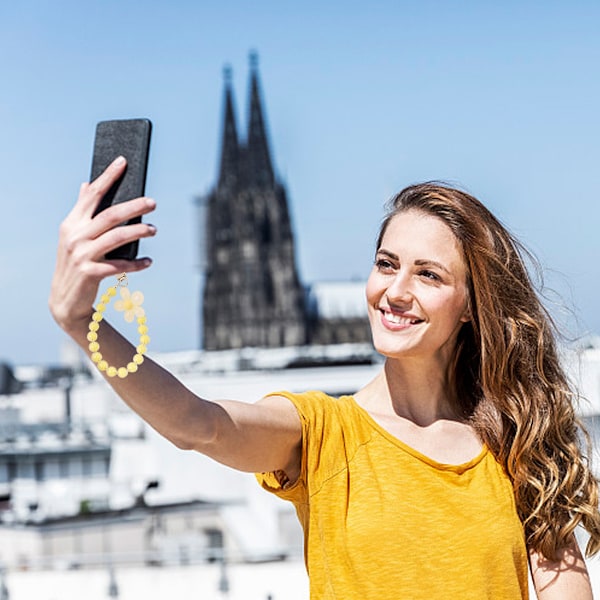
(83, 242)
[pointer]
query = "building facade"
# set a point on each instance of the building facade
(252, 292)
(253, 295)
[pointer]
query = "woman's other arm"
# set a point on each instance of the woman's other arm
(564, 579)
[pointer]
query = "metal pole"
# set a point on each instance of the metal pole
(4, 593)
(224, 577)
(113, 588)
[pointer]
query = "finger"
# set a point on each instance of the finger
(128, 266)
(116, 215)
(111, 268)
(91, 193)
(119, 236)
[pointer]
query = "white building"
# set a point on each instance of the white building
(153, 503)
(105, 458)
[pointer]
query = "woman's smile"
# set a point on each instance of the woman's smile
(398, 320)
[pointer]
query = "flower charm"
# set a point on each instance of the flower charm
(131, 304)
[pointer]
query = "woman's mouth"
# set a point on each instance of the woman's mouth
(402, 320)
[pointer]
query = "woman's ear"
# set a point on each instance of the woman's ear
(467, 316)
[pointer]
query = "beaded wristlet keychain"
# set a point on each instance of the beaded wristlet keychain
(131, 305)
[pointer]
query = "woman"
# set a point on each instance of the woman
(445, 476)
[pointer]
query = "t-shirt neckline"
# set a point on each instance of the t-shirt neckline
(459, 468)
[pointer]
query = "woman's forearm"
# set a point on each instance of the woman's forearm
(152, 392)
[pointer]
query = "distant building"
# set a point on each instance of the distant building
(337, 313)
(253, 294)
(169, 534)
(84, 482)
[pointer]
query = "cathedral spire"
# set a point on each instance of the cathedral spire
(259, 157)
(230, 143)
(253, 296)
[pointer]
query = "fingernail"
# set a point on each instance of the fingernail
(119, 161)
(152, 228)
(150, 202)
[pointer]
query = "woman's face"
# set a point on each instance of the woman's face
(417, 292)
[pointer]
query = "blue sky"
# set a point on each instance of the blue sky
(362, 99)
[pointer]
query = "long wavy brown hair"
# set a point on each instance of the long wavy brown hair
(507, 378)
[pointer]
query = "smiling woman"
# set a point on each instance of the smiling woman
(446, 266)
(442, 477)
(464, 451)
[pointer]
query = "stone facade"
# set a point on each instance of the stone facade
(253, 295)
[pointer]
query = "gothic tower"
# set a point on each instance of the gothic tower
(252, 293)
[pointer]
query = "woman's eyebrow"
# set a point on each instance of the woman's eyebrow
(387, 253)
(420, 262)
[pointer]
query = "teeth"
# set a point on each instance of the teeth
(399, 320)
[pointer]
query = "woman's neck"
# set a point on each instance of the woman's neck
(412, 390)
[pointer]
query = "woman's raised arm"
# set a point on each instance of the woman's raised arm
(252, 437)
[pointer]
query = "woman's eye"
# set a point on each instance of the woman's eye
(384, 265)
(430, 275)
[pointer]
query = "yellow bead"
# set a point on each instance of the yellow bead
(93, 335)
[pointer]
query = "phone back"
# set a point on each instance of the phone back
(129, 138)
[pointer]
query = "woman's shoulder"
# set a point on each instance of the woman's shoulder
(319, 406)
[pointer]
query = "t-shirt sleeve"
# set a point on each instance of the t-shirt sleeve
(311, 407)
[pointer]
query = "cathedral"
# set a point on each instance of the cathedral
(253, 295)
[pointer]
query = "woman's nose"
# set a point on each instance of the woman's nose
(400, 289)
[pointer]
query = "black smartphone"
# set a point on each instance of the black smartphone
(129, 138)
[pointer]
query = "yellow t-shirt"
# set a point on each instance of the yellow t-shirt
(382, 521)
